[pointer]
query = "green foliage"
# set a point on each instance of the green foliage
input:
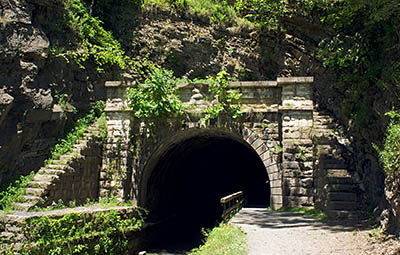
(363, 52)
(376, 234)
(103, 202)
(179, 4)
(79, 233)
(278, 148)
(263, 12)
(302, 153)
(217, 11)
(344, 52)
(390, 155)
(96, 43)
(156, 97)
(102, 124)
(223, 240)
(77, 132)
(228, 99)
(14, 192)
(64, 101)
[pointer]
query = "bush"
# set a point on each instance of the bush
(390, 155)
(263, 12)
(79, 233)
(156, 97)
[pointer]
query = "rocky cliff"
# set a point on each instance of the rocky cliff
(37, 90)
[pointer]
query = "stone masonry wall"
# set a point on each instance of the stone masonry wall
(117, 166)
(297, 123)
(277, 120)
(80, 181)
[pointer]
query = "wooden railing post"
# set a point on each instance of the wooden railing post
(231, 202)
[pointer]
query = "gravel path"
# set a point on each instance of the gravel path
(275, 233)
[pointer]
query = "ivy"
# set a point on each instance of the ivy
(156, 97)
(80, 233)
(228, 100)
(96, 43)
(390, 154)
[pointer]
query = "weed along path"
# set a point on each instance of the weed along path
(275, 233)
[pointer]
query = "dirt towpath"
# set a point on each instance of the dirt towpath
(276, 233)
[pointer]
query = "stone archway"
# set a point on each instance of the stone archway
(193, 145)
(188, 173)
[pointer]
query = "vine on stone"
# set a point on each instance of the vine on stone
(156, 97)
(228, 100)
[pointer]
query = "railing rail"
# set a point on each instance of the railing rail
(231, 203)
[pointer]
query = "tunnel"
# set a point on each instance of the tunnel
(188, 179)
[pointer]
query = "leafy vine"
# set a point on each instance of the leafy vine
(227, 100)
(156, 97)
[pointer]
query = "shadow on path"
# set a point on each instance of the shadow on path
(265, 218)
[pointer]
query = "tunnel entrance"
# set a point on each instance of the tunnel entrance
(189, 179)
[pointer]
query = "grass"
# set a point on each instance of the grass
(308, 211)
(216, 11)
(14, 193)
(161, 3)
(376, 234)
(223, 240)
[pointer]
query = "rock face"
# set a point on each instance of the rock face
(194, 48)
(31, 81)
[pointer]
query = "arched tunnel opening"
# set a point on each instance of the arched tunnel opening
(187, 182)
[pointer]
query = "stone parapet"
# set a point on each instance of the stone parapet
(116, 96)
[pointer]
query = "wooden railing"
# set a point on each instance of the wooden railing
(232, 202)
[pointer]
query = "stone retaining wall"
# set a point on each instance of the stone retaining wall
(80, 181)
(12, 226)
(72, 177)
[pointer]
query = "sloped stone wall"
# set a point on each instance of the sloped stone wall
(80, 181)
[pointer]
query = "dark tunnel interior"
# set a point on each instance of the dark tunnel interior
(188, 181)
